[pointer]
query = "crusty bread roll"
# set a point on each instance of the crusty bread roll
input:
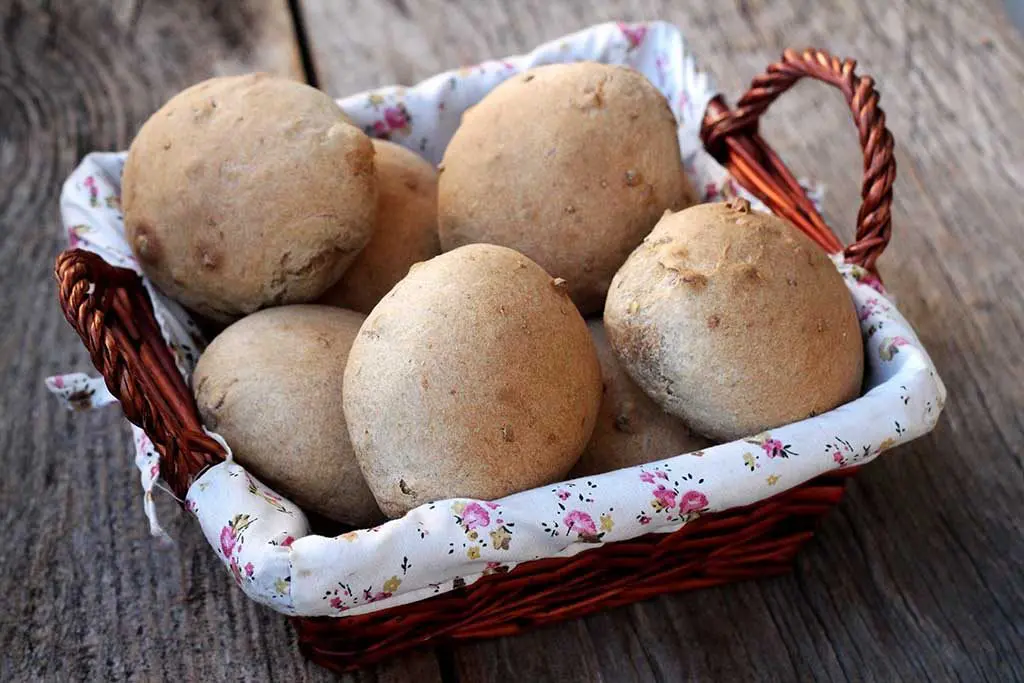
(248, 191)
(735, 321)
(631, 429)
(271, 385)
(570, 164)
(474, 377)
(406, 231)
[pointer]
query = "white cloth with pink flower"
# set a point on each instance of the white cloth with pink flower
(265, 541)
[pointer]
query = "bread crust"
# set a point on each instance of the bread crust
(570, 164)
(735, 321)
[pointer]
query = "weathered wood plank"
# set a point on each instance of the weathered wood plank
(917, 576)
(87, 595)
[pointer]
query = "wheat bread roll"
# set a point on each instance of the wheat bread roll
(735, 321)
(244, 192)
(570, 164)
(406, 230)
(271, 385)
(474, 377)
(631, 429)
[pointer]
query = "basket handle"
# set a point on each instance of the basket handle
(732, 137)
(110, 310)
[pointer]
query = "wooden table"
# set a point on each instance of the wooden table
(918, 575)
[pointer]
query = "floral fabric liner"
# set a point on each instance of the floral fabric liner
(264, 540)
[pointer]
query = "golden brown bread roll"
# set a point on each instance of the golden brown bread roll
(406, 230)
(271, 385)
(245, 192)
(735, 321)
(474, 377)
(570, 164)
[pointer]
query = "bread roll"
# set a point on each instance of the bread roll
(570, 164)
(245, 192)
(406, 231)
(735, 321)
(271, 385)
(474, 377)
(631, 429)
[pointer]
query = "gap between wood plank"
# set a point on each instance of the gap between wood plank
(443, 654)
(306, 58)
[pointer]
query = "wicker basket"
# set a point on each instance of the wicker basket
(110, 310)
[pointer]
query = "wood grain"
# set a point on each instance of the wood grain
(917, 576)
(87, 595)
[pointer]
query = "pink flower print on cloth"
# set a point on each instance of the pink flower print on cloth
(651, 477)
(342, 597)
(845, 453)
(890, 346)
(90, 185)
(75, 234)
(665, 497)
(582, 524)
(865, 277)
(231, 534)
(692, 501)
(634, 34)
(773, 448)
(872, 306)
(671, 496)
(483, 524)
(474, 516)
(395, 121)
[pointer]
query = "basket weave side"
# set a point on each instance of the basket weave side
(744, 543)
(111, 311)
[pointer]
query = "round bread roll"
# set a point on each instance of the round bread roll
(570, 164)
(735, 321)
(474, 377)
(631, 429)
(406, 231)
(248, 191)
(271, 385)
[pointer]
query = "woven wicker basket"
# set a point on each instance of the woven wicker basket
(111, 311)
